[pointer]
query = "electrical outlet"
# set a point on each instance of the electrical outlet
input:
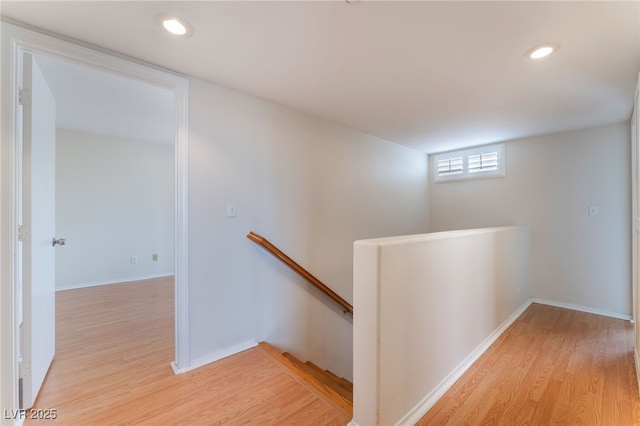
(134, 260)
(154, 257)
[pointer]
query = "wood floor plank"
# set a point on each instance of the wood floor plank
(114, 346)
(553, 366)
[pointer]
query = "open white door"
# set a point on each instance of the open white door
(37, 230)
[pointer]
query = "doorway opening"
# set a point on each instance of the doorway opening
(113, 195)
(114, 180)
(43, 48)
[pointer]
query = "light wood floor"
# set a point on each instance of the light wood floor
(114, 346)
(115, 343)
(551, 367)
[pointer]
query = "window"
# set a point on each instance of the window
(450, 166)
(473, 163)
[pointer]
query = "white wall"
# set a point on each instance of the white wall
(551, 180)
(426, 307)
(311, 188)
(114, 200)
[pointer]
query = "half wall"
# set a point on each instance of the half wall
(426, 306)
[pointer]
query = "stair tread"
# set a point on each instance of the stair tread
(312, 369)
(341, 382)
(328, 379)
(315, 377)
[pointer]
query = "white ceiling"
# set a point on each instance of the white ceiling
(430, 75)
(93, 101)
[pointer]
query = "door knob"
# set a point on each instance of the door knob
(59, 242)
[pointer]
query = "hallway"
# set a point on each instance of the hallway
(114, 346)
(553, 366)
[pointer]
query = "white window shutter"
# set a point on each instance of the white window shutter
(450, 166)
(473, 163)
(483, 162)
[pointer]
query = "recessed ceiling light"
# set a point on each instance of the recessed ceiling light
(174, 24)
(539, 52)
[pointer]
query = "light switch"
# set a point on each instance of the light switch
(594, 210)
(232, 210)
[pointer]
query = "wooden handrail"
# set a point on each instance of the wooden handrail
(261, 241)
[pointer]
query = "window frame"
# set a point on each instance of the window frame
(466, 174)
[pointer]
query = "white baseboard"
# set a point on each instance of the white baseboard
(582, 309)
(417, 412)
(99, 283)
(216, 356)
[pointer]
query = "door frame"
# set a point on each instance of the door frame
(16, 40)
(635, 223)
